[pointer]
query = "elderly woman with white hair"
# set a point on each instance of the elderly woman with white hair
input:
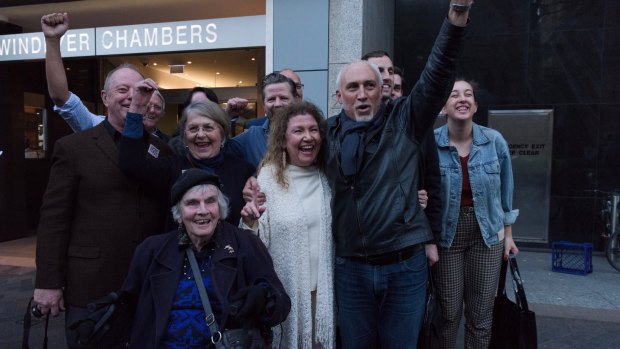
(205, 131)
(234, 267)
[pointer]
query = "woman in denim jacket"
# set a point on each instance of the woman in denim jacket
(477, 186)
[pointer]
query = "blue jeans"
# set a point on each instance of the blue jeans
(381, 305)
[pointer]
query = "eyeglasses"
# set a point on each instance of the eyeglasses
(299, 86)
(154, 106)
(194, 129)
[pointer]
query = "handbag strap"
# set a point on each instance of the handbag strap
(28, 324)
(501, 286)
(216, 335)
(518, 283)
(431, 282)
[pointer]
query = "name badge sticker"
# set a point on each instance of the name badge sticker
(153, 151)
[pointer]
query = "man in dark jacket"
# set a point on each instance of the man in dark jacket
(429, 193)
(93, 217)
(373, 169)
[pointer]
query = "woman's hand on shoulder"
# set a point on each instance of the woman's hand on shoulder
(423, 198)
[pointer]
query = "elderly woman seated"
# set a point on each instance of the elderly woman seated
(235, 268)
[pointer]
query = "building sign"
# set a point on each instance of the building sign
(75, 43)
(208, 34)
(526, 149)
(205, 34)
(529, 134)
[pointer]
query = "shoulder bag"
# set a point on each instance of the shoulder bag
(514, 325)
(433, 321)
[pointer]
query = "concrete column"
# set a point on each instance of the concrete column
(356, 27)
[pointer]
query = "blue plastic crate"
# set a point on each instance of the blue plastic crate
(571, 257)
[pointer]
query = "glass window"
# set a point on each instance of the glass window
(35, 132)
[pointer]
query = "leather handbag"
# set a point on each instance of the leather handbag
(241, 338)
(514, 325)
(433, 321)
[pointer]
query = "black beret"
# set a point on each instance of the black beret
(189, 179)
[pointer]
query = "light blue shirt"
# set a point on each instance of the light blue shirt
(77, 115)
(490, 177)
(251, 144)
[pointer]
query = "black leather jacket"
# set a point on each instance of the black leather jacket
(430, 180)
(378, 211)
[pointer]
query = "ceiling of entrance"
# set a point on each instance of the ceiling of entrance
(211, 69)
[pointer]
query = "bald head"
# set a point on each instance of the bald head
(359, 90)
(360, 62)
(118, 93)
(299, 87)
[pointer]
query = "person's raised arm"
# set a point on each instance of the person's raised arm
(151, 173)
(459, 12)
(54, 26)
(430, 92)
(69, 106)
(235, 106)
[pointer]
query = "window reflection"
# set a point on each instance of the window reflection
(35, 144)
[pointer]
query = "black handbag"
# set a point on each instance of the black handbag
(514, 325)
(109, 322)
(241, 338)
(433, 321)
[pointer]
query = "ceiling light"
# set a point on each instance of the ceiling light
(241, 82)
(189, 62)
(217, 73)
(155, 63)
(253, 58)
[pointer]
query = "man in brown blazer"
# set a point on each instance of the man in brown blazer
(93, 217)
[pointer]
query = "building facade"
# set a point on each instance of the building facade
(548, 55)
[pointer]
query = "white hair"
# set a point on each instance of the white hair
(161, 97)
(373, 66)
(222, 202)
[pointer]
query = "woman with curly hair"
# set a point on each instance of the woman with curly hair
(295, 224)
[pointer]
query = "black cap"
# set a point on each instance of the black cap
(189, 179)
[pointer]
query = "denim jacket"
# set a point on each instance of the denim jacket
(490, 176)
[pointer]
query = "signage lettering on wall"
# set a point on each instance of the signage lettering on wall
(162, 36)
(526, 149)
(208, 34)
(75, 43)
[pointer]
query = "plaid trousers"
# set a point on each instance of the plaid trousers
(467, 273)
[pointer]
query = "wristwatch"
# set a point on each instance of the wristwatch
(460, 8)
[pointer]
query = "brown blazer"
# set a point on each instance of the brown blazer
(92, 217)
